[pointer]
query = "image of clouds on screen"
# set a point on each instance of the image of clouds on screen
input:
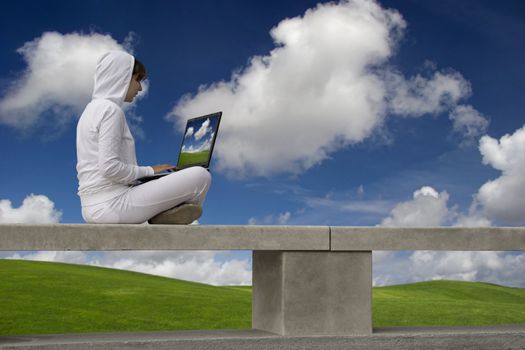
(200, 140)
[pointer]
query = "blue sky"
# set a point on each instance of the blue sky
(367, 123)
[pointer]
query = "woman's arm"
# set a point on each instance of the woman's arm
(111, 131)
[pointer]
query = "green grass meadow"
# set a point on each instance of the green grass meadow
(43, 297)
(193, 158)
(447, 303)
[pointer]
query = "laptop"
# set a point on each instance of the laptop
(197, 145)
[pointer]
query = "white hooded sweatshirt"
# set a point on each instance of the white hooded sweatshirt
(106, 160)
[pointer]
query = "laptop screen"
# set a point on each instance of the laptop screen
(198, 142)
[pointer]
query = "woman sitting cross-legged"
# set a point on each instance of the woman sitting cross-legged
(107, 164)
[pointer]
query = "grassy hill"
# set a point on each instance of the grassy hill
(193, 157)
(43, 297)
(447, 303)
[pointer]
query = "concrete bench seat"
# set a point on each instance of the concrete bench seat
(307, 280)
(252, 237)
(427, 238)
(162, 237)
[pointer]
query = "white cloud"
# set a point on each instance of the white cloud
(474, 218)
(468, 122)
(203, 130)
(502, 198)
(206, 144)
(349, 205)
(420, 95)
(327, 82)
(427, 208)
(279, 219)
(194, 266)
(283, 218)
(71, 257)
(58, 79)
(426, 191)
(201, 267)
(502, 268)
(189, 133)
(35, 209)
(497, 267)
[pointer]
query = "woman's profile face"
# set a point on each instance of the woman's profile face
(133, 89)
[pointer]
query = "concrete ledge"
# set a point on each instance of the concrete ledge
(428, 238)
(495, 337)
(248, 237)
(162, 237)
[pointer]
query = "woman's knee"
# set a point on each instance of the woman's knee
(202, 175)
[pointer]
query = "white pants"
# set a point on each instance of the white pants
(142, 202)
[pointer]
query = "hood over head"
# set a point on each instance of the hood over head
(113, 75)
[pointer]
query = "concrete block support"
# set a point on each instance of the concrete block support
(312, 292)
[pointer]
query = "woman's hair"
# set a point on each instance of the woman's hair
(139, 70)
